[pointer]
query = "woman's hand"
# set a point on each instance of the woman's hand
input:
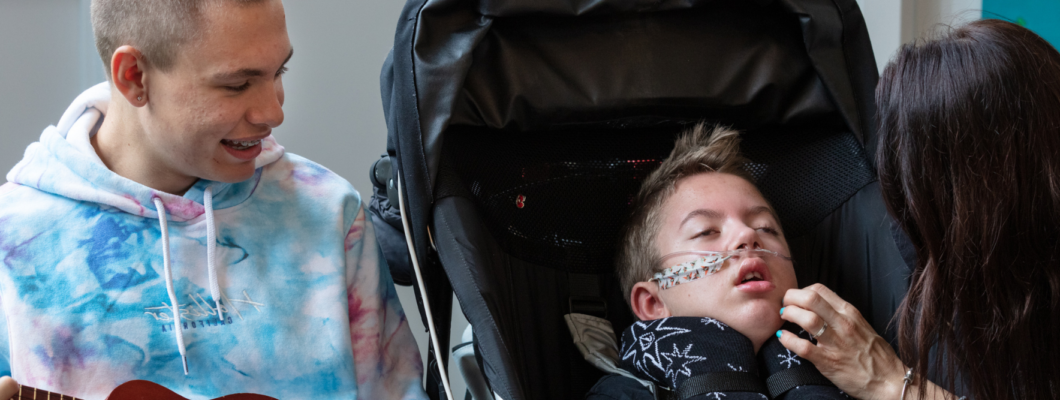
(848, 352)
(8, 388)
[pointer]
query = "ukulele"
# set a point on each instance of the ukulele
(131, 390)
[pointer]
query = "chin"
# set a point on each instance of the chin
(758, 328)
(763, 313)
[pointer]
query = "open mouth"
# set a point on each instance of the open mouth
(240, 144)
(753, 276)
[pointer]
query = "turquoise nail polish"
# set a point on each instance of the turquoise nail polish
(778, 334)
(782, 310)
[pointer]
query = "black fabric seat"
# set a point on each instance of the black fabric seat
(521, 130)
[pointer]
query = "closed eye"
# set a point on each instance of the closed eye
(238, 89)
(769, 230)
(707, 232)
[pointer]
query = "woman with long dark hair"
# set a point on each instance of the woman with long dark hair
(969, 164)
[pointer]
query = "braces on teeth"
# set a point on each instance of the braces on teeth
(708, 264)
(242, 144)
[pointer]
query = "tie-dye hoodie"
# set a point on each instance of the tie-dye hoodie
(307, 308)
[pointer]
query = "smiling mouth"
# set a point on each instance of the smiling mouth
(240, 144)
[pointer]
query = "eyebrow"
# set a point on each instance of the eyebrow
(702, 212)
(248, 72)
(762, 210)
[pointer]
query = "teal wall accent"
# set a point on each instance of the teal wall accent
(1040, 16)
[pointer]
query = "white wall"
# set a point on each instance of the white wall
(932, 15)
(884, 20)
(39, 70)
(894, 22)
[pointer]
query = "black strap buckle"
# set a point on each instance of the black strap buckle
(586, 295)
(662, 393)
(595, 306)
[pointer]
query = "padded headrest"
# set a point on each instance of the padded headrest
(561, 198)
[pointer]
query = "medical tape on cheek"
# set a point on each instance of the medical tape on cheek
(708, 263)
(690, 271)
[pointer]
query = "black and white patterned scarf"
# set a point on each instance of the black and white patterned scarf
(670, 350)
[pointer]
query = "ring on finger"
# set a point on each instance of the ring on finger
(820, 332)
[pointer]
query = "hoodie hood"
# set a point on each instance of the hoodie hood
(64, 163)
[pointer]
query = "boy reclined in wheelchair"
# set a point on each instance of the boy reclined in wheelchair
(705, 264)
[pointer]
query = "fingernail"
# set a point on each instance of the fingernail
(778, 334)
(782, 310)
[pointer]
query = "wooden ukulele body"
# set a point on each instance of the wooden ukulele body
(131, 390)
(144, 390)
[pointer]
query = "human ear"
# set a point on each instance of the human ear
(127, 73)
(645, 302)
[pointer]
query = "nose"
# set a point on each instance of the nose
(268, 108)
(747, 239)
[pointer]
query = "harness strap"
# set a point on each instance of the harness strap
(774, 386)
(788, 379)
(714, 382)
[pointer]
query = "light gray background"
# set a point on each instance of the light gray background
(333, 111)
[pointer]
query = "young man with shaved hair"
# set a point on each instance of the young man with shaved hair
(159, 232)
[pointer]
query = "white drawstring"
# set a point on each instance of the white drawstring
(178, 330)
(211, 245)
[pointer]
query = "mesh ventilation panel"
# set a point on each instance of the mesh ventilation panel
(806, 175)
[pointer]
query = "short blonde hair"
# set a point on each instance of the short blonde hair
(698, 150)
(157, 28)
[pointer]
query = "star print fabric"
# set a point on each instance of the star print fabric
(669, 351)
(774, 358)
